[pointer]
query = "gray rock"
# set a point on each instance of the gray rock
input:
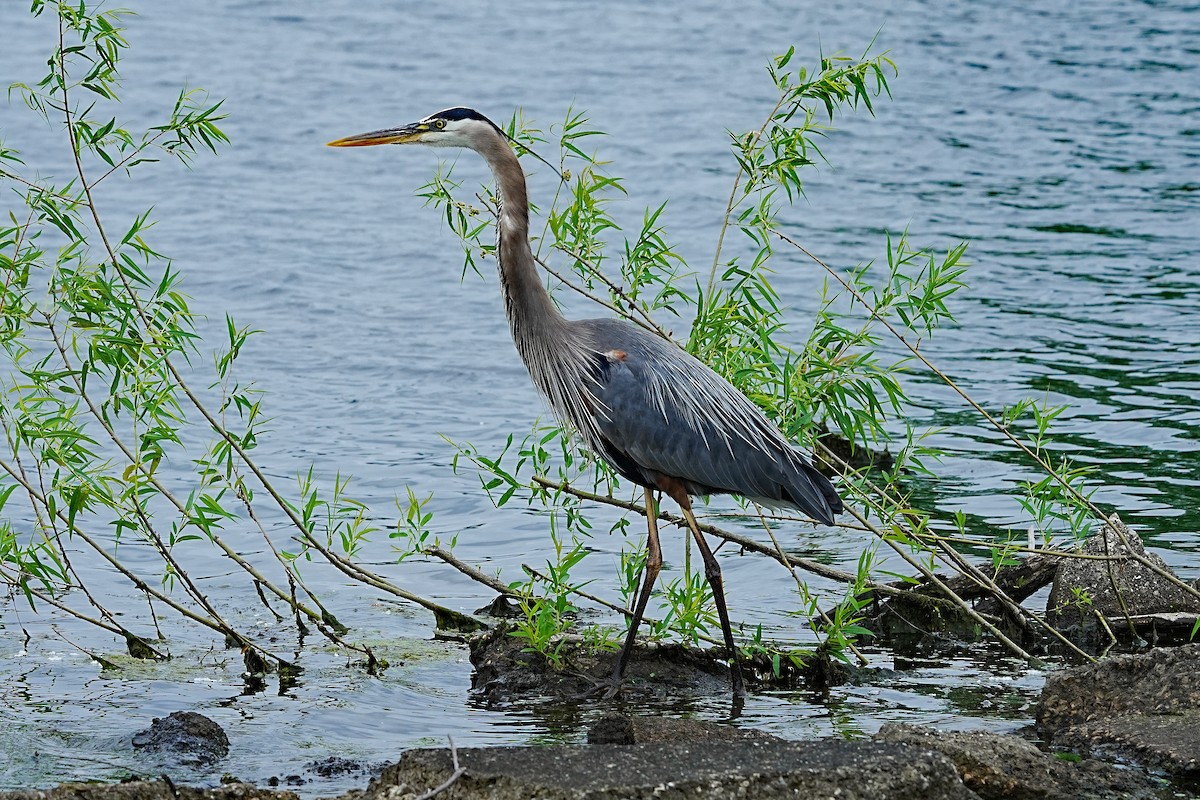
(148, 790)
(620, 729)
(190, 737)
(763, 770)
(1143, 590)
(1169, 742)
(1162, 681)
(1144, 708)
(1000, 766)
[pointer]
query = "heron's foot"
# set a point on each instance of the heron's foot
(603, 688)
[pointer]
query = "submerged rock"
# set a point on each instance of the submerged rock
(920, 623)
(1143, 708)
(506, 672)
(328, 767)
(1084, 587)
(1001, 766)
(191, 738)
(331, 766)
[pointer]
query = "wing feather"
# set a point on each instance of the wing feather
(666, 412)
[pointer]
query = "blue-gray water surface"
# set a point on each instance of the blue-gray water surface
(1061, 140)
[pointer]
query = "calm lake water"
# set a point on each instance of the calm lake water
(1063, 144)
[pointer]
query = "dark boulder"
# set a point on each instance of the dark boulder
(190, 738)
(505, 672)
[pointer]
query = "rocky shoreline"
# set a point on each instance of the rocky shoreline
(1128, 727)
(711, 761)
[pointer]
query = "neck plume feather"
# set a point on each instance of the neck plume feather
(526, 303)
(559, 362)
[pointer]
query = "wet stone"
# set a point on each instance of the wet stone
(621, 729)
(148, 790)
(763, 770)
(190, 738)
(1143, 708)
(1169, 742)
(505, 673)
(1162, 681)
(336, 765)
(1002, 766)
(915, 623)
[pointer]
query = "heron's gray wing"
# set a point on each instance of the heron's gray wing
(665, 412)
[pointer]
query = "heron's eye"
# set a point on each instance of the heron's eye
(439, 124)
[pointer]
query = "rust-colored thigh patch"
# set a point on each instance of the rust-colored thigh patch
(673, 487)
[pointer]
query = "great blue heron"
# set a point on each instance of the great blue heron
(660, 417)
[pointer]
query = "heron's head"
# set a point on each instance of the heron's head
(454, 127)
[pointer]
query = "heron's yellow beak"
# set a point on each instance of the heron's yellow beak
(403, 135)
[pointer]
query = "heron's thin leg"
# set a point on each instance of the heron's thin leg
(712, 571)
(649, 575)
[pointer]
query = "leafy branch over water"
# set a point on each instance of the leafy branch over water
(840, 393)
(99, 405)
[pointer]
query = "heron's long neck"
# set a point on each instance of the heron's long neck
(557, 359)
(532, 315)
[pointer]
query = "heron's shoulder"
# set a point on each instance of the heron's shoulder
(608, 334)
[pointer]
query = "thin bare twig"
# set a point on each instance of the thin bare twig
(459, 771)
(474, 573)
(6, 174)
(616, 289)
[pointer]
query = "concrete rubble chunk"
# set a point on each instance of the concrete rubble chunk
(1168, 742)
(763, 770)
(1143, 708)
(998, 766)
(1161, 681)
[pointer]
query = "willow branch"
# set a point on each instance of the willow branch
(738, 539)
(178, 378)
(215, 623)
(1003, 429)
